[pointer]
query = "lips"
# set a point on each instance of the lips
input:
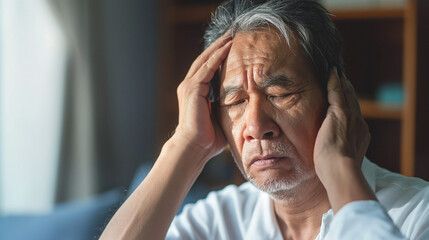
(265, 161)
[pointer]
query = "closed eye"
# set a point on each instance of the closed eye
(273, 97)
(236, 103)
(282, 97)
(287, 98)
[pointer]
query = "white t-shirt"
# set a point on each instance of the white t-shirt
(247, 213)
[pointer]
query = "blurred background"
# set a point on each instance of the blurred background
(88, 97)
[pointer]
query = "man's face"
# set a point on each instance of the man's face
(271, 108)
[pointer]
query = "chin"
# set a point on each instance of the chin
(281, 186)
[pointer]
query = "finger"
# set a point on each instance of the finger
(341, 92)
(350, 94)
(336, 95)
(219, 43)
(206, 72)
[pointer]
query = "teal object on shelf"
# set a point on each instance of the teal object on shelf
(391, 94)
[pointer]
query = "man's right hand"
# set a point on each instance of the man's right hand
(197, 129)
(150, 209)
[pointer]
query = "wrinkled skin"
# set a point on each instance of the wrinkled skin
(271, 109)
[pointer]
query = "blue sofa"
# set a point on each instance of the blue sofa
(78, 220)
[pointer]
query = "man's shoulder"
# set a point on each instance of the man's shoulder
(398, 187)
(404, 198)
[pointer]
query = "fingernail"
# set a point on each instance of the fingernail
(227, 37)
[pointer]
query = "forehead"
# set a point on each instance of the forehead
(263, 42)
(261, 53)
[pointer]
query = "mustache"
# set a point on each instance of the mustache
(265, 148)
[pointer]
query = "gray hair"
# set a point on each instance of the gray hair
(305, 20)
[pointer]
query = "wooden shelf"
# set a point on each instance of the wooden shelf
(362, 13)
(194, 13)
(367, 11)
(373, 109)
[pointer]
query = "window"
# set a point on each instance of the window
(32, 63)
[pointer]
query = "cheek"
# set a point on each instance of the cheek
(232, 127)
(232, 123)
(305, 127)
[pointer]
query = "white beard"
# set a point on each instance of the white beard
(284, 189)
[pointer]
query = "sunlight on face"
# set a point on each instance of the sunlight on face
(271, 108)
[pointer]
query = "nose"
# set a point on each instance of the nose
(260, 123)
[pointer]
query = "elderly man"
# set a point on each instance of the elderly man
(294, 127)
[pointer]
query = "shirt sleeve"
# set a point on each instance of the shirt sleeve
(363, 220)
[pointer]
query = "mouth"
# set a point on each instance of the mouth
(263, 162)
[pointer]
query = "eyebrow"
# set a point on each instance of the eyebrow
(279, 80)
(228, 91)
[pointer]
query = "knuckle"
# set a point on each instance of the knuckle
(337, 88)
(207, 65)
(199, 58)
(180, 88)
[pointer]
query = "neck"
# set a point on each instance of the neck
(300, 216)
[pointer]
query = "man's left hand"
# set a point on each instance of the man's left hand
(341, 145)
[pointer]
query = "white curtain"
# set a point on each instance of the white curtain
(77, 176)
(32, 64)
(77, 98)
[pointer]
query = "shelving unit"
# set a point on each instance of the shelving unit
(375, 110)
(383, 44)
